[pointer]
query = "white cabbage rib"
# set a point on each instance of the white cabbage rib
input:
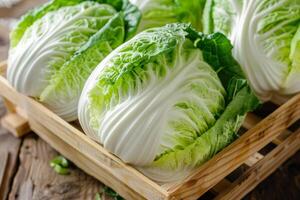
(139, 128)
(44, 48)
(259, 51)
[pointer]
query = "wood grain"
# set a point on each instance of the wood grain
(9, 145)
(35, 179)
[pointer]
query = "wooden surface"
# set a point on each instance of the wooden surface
(27, 170)
(9, 146)
(35, 179)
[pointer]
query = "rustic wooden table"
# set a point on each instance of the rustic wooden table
(25, 172)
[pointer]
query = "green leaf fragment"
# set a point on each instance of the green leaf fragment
(60, 165)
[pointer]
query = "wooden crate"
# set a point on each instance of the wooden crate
(26, 114)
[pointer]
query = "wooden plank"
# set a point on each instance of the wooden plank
(206, 176)
(262, 169)
(88, 165)
(254, 159)
(9, 146)
(35, 179)
(251, 120)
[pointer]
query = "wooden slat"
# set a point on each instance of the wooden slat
(16, 124)
(90, 149)
(262, 169)
(9, 146)
(251, 120)
(254, 159)
(205, 177)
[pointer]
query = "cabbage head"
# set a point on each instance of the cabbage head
(55, 47)
(167, 100)
(156, 13)
(266, 39)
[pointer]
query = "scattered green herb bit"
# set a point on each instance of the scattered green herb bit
(60, 165)
(60, 160)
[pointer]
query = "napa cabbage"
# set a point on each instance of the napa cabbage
(156, 13)
(55, 47)
(266, 39)
(167, 100)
